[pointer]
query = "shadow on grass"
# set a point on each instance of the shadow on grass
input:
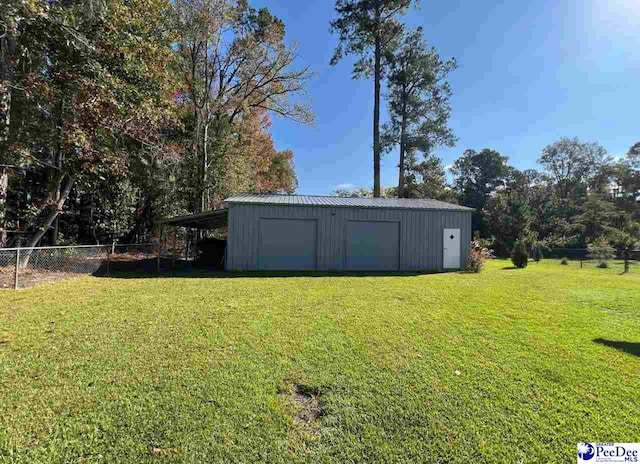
(186, 270)
(509, 268)
(628, 347)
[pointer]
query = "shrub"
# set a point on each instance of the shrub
(537, 252)
(601, 251)
(478, 256)
(564, 262)
(520, 254)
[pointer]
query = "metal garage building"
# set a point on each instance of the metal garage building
(300, 232)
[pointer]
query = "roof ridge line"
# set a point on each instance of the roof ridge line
(334, 201)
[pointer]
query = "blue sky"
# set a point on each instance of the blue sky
(529, 73)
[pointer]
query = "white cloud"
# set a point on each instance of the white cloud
(448, 167)
(344, 187)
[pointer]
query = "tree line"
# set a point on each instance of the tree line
(117, 113)
(114, 114)
(580, 196)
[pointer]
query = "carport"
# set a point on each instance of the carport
(321, 233)
(208, 220)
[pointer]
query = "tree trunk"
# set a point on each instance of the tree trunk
(4, 189)
(5, 114)
(205, 168)
(141, 230)
(377, 71)
(7, 48)
(7, 76)
(59, 159)
(403, 147)
(51, 215)
(92, 222)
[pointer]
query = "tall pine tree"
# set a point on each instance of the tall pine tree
(369, 29)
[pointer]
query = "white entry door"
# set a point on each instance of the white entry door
(451, 248)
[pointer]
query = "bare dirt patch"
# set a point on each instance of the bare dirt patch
(308, 400)
(304, 404)
(30, 277)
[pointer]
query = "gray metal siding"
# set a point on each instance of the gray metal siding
(420, 233)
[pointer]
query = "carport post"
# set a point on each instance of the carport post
(175, 244)
(158, 257)
(159, 250)
(186, 244)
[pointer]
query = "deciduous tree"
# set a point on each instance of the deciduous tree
(91, 79)
(572, 164)
(234, 61)
(476, 176)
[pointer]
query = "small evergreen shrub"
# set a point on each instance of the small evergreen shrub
(564, 262)
(520, 254)
(478, 256)
(537, 253)
(602, 251)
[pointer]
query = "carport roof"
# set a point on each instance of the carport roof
(316, 200)
(207, 220)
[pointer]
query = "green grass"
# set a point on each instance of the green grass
(501, 366)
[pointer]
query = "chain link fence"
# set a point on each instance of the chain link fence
(25, 267)
(628, 258)
(578, 254)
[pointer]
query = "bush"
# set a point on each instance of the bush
(537, 253)
(478, 256)
(601, 251)
(520, 254)
(564, 262)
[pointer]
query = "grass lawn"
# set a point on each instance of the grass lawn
(505, 366)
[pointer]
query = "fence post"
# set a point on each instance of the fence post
(113, 247)
(626, 259)
(15, 272)
(108, 262)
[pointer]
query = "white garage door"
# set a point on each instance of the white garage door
(373, 246)
(287, 244)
